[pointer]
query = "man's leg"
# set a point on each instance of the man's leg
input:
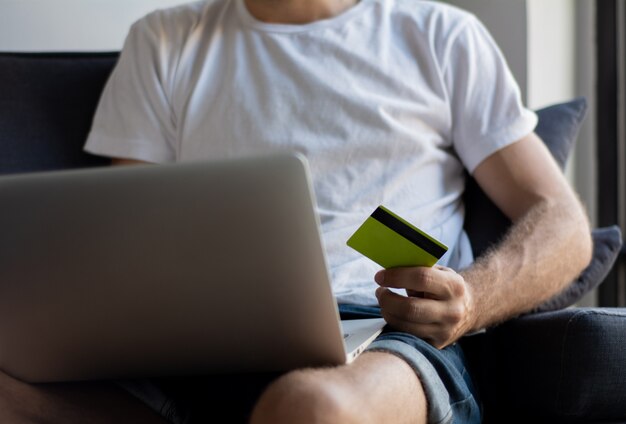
(378, 387)
(89, 403)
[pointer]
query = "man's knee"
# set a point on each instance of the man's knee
(304, 396)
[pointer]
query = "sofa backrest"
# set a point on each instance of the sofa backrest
(47, 101)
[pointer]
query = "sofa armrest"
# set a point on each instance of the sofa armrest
(562, 366)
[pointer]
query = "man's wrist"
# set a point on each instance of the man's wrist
(474, 320)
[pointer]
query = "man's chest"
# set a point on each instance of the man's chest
(250, 92)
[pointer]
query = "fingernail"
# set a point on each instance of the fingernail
(380, 277)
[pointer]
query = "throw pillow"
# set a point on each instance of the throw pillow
(558, 127)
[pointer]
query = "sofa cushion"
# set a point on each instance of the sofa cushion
(558, 127)
(559, 366)
(607, 243)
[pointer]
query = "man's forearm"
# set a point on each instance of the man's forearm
(548, 245)
(543, 251)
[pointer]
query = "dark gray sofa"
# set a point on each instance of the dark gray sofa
(557, 364)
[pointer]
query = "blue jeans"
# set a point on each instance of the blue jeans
(447, 384)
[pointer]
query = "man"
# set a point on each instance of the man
(390, 100)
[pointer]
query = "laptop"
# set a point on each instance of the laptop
(153, 270)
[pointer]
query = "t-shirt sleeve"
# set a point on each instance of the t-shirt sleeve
(134, 118)
(486, 105)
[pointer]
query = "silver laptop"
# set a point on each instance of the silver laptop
(206, 267)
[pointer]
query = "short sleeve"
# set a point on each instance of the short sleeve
(486, 106)
(134, 119)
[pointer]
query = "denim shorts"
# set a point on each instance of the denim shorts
(449, 390)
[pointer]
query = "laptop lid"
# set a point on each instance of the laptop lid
(161, 270)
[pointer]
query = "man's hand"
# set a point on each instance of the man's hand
(439, 306)
(547, 246)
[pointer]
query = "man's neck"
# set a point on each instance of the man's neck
(296, 11)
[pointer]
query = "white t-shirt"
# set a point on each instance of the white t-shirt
(389, 101)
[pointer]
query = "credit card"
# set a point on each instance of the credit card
(391, 241)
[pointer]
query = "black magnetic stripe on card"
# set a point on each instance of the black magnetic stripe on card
(408, 233)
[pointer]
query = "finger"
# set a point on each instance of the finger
(413, 293)
(435, 334)
(410, 309)
(439, 283)
(432, 333)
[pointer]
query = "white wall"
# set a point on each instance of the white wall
(551, 51)
(70, 25)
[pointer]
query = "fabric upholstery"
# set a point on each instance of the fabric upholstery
(46, 105)
(560, 366)
(565, 366)
(558, 127)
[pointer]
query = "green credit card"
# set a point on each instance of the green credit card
(390, 241)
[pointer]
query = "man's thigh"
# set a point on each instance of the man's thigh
(187, 400)
(447, 384)
(446, 381)
(199, 399)
(445, 378)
